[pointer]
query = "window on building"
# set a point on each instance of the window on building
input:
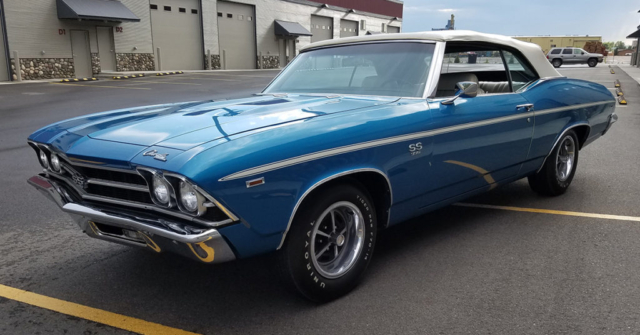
(194, 11)
(219, 14)
(229, 15)
(567, 51)
(182, 10)
(240, 17)
(167, 8)
(249, 18)
(553, 46)
(154, 6)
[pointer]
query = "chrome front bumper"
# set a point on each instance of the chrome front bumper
(130, 228)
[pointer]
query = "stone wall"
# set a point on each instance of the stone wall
(95, 63)
(44, 68)
(269, 62)
(135, 62)
(215, 62)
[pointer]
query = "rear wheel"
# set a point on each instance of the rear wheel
(330, 243)
(592, 62)
(557, 62)
(558, 170)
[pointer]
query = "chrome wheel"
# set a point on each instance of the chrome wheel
(337, 239)
(565, 158)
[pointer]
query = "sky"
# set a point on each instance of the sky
(613, 20)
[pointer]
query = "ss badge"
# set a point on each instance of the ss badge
(415, 148)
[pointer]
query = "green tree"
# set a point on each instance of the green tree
(619, 45)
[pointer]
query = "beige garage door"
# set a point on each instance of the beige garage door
(392, 30)
(348, 28)
(321, 28)
(237, 35)
(176, 30)
(4, 74)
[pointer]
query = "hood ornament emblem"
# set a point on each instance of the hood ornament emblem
(156, 155)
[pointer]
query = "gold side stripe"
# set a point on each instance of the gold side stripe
(391, 140)
(551, 211)
(89, 313)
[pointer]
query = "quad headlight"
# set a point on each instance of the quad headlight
(161, 190)
(188, 197)
(44, 160)
(55, 163)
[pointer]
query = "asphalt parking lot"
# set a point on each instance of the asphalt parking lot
(515, 263)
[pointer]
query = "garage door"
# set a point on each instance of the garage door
(392, 30)
(4, 74)
(176, 30)
(348, 28)
(321, 28)
(237, 35)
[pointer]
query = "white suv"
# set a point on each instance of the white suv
(561, 56)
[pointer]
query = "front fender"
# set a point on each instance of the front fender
(267, 210)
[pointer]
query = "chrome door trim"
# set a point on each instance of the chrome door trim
(332, 177)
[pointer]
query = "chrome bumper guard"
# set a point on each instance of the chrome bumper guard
(204, 245)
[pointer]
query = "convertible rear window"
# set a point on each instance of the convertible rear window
(386, 69)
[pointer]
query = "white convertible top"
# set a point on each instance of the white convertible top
(532, 51)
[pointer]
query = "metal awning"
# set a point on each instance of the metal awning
(101, 10)
(290, 29)
(635, 35)
(373, 32)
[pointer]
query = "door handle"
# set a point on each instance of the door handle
(529, 107)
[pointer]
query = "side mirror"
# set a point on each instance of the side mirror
(466, 89)
(582, 53)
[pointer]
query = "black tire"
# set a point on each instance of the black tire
(557, 63)
(592, 62)
(548, 181)
(303, 272)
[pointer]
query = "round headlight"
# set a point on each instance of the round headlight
(161, 190)
(55, 163)
(188, 197)
(44, 161)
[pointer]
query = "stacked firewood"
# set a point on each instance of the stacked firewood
(595, 47)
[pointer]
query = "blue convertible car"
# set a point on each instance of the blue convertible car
(354, 136)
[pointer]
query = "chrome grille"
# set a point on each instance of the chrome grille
(125, 188)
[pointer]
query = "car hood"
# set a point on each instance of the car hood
(184, 126)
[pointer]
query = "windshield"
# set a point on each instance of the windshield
(387, 69)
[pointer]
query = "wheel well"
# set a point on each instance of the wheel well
(375, 184)
(583, 133)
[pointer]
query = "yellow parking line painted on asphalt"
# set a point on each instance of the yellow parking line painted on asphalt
(211, 79)
(88, 313)
(170, 83)
(551, 211)
(129, 88)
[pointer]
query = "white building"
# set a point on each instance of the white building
(80, 38)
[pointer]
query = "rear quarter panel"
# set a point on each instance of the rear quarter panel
(553, 100)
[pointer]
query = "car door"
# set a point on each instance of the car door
(485, 139)
(567, 56)
(580, 56)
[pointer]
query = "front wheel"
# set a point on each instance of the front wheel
(557, 63)
(330, 243)
(558, 170)
(592, 62)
